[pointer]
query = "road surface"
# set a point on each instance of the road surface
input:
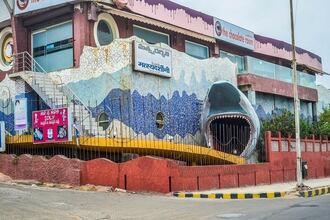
(28, 202)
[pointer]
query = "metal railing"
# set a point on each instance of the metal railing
(49, 90)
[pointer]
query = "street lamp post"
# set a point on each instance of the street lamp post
(296, 101)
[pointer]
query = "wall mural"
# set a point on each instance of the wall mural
(7, 94)
(134, 99)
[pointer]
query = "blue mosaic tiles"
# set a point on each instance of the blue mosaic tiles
(182, 112)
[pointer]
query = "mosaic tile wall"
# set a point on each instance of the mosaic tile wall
(267, 104)
(135, 98)
(7, 94)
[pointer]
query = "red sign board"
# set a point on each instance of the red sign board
(52, 125)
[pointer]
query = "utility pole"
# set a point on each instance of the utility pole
(296, 101)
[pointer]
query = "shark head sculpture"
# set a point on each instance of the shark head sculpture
(229, 122)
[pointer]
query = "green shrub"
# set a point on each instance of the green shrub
(324, 123)
(285, 123)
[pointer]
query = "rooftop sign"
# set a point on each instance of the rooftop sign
(233, 34)
(23, 6)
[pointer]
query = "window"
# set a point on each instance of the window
(307, 80)
(53, 43)
(103, 120)
(104, 33)
(6, 49)
(160, 120)
(150, 36)
(197, 50)
(105, 30)
(238, 60)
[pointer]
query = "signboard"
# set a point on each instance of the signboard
(20, 114)
(52, 125)
(152, 59)
(233, 34)
(23, 6)
(2, 137)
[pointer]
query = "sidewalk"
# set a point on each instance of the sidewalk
(317, 187)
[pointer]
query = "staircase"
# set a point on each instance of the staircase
(53, 92)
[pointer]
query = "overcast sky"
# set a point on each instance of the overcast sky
(272, 18)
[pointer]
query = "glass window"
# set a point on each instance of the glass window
(278, 72)
(104, 33)
(283, 73)
(261, 67)
(307, 80)
(54, 43)
(103, 120)
(105, 30)
(160, 120)
(150, 36)
(197, 50)
(236, 59)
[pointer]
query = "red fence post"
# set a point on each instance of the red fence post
(289, 141)
(268, 145)
(279, 141)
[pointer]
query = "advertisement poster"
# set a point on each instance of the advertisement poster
(51, 125)
(152, 59)
(2, 137)
(20, 114)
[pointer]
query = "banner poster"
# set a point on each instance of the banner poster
(20, 114)
(2, 136)
(52, 125)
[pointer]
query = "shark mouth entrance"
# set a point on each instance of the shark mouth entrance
(230, 133)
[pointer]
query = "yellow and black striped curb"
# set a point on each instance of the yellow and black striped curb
(268, 195)
(315, 192)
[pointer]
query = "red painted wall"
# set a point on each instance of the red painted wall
(161, 175)
(58, 169)
(265, 85)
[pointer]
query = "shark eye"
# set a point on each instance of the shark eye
(160, 120)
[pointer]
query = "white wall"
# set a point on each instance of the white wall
(4, 14)
(324, 98)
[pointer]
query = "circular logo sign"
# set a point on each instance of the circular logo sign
(8, 50)
(22, 4)
(218, 28)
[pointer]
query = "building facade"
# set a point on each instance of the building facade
(145, 67)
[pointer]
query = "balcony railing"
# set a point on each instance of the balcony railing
(277, 72)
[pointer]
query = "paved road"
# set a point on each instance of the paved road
(26, 202)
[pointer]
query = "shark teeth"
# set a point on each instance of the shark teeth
(235, 116)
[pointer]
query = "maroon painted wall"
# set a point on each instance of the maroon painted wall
(161, 175)
(58, 169)
(265, 85)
